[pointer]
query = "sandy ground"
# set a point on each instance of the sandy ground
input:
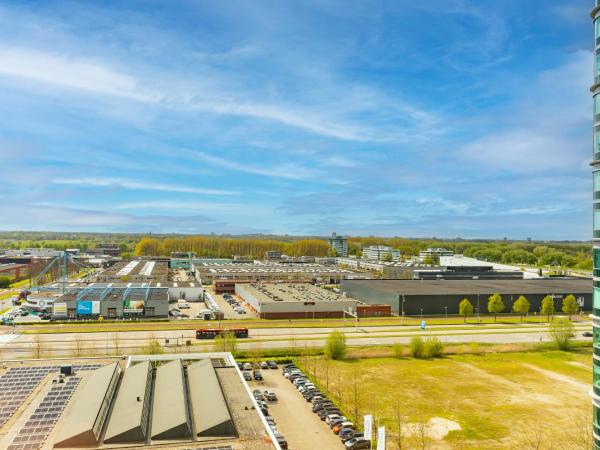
(302, 428)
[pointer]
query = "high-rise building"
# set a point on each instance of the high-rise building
(339, 244)
(595, 89)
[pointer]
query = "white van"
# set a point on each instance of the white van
(182, 304)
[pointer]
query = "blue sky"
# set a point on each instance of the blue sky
(445, 118)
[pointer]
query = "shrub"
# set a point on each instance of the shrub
(417, 347)
(4, 282)
(335, 346)
(562, 332)
(153, 348)
(434, 348)
(397, 351)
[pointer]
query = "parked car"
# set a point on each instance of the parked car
(272, 364)
(247, 366)
(270, 396)
(264, 365)
(587, 334)
(357, 444)
(337, 428)
(281, 441)
(257, 375)
(247, 376)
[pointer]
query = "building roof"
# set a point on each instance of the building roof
(137, 267)
(268, 268)
(456, 287)
(209, 410)
(86, 405)
(128, 409)
(296, 292)
(103, 292)
(169, 414)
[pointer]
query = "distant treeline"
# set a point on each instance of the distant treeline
(217, 247)
(572, 255)
(564, 254)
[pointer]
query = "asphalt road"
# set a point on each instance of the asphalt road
(67, 344)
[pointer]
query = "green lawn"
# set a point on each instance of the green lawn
(508, 400)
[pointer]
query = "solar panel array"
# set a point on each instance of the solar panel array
(17, 384)
(40, 423)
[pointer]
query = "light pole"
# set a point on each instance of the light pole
(478, 318)
(446, 309)
(421, 313)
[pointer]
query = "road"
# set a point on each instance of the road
(68, 344)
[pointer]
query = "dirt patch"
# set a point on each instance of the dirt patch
(583, 387)
(436, 428)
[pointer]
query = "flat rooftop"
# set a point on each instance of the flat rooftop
(269, 268)
(137, 267)
(452, 287)
(293, 292)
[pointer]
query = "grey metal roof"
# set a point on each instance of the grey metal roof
(128, 409)
(86, 405)
(451, 287)
(209, 410)
(169, 414)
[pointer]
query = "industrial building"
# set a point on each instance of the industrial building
(437, 297)
(112, 302)
(299, 301)
(264, 271)
(435, 252)
(168, 401)
(380, 253)
(136, 271)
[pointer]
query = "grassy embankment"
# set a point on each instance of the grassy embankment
(535, 399)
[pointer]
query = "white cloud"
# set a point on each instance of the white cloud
(290, 171)
(137, 185)
(542, 131)
(206, 93)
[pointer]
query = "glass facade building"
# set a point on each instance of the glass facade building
(595, 393)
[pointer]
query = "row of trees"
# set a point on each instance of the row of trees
(521, 306)
(216, 247)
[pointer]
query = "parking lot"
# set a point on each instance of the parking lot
(294, 419)
(227, 309)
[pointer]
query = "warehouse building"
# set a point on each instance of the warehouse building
(270, 272)
(436, 297)
(136, 271)
(181, 401)
(112, 302)
(300, 301)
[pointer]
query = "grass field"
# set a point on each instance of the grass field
(500, 401)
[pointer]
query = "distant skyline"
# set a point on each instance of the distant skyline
(447, 118)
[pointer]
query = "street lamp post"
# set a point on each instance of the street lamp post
(446, 309)
(421, 313)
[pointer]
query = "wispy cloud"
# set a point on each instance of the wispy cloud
(138, 185)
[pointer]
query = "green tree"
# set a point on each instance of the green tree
(335, 346)
(4, 282)
(548, 306)
(495, 304)
(465, 308)
(225, 342)
(521, 306)
(152, 348)
(569, 305)
(562, 332)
